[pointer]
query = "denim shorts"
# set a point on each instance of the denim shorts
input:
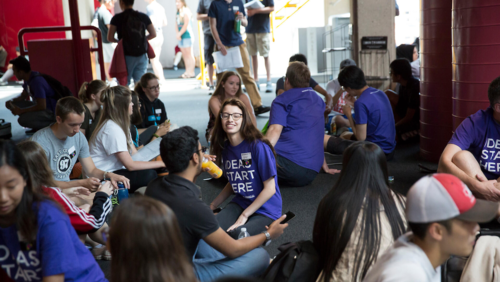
(185, 43)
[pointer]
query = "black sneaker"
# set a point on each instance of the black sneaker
(31, 132)
(211, 90)
(261, 110)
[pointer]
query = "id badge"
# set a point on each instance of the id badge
(72, 152)
(247, 159)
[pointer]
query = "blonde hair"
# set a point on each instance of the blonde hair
(115, 101)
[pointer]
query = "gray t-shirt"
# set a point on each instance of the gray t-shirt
(104, 18)
(203, 7)
(62, 154)
(404, 261)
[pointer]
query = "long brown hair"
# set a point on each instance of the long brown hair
(37, 163)
(89, 88)
(146, 243)
(143, 83)
(136, 117)
(115, 101)
(219, 90)
(248, 130)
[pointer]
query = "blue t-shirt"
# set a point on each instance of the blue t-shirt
(56, 250)
(38, 87)
(480, 135)
(374, 109)
(225, 13)
(247, 166)
(260, 23)
(300, 112)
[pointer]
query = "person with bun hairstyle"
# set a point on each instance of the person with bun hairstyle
(111, 146)
(90, 94)
(37, 241)
(158, 250)
(152, 110)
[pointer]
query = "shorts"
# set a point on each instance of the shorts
(156, 44)
(185, 43)
(258, 42)
(107, 51)
(209, 49)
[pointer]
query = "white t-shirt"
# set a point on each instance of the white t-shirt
(109, 140)
(156, 13)
(333, 86)
(404, 261)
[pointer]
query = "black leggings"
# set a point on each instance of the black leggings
(138, 178)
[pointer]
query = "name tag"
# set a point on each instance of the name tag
(236, 8)
(246, 158)
(158, 111)
(72, 151)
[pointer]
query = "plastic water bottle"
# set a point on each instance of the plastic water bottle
(243, 233)
(237, 23)
(122, 192)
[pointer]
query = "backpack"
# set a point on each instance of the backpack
(134, 35)
(296, 262)
(60, 91)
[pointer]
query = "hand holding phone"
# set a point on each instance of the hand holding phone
(289, 216)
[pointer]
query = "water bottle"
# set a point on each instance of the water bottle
(213, 169)
(122, 192)
(237, 23)
(243, 233)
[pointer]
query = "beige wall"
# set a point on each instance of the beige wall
(336, 7)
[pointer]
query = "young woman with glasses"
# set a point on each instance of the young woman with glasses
(111, 146)
(250, 166)
(229, 87)
(152, 109)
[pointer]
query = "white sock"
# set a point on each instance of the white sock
(7, 75)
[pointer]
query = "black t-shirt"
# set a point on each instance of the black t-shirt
(119, 19)
(409, 98)
(153, 113)
(280, 84)
(89, 124)
(196, 220)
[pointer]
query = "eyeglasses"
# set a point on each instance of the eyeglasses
(236, 116)
(157, 87)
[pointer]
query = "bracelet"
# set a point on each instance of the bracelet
(156, 135)
(104, 178)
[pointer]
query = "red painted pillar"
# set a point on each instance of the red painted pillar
(77, 41)
(436, 75)
(476, 55)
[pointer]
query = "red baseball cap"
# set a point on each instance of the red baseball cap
(442, 196)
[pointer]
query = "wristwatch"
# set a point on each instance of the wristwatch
(268, 239)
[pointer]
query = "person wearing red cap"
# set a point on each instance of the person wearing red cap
(443, 216)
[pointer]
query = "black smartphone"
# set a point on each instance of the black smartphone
(289, 216)
(217, 210)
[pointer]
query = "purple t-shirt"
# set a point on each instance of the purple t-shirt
(38, 87)
(56, 250)
(373, 108)
(480, 135)
(300, 112)
(247, 166)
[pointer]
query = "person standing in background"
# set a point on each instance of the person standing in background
(184, 36)
(202, 15)
(103, 17)
(258, 39)
(156, 13)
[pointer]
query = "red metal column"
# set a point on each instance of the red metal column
(77, 41)
(476, 54)
(436, 74)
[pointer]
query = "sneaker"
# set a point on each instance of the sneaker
(269, 87)
(98, 252)
(2, 83)
(261, 110)
(211, 90)
(31, 131)
(106, 255)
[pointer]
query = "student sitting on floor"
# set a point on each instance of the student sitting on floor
(230, 87)
(442, 215)
(87, 220)
(374, 121)
(296, 129)
(36, 237)
(64, 144)
(405, 104)
(250, 166)
(473, 151)
(359, 218)
(152, 108)
(90, 95)
(111, 146)
(158, 252)
(335, 90)
(213, 251)
(148, 135)
(280, 84)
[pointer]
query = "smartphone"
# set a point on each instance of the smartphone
(289, 216)
(217, 210)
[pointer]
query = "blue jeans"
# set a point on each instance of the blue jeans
(209, 264)
(136, 67)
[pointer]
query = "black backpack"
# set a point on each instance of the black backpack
(296, 262)
(134, 35)
(60, 90)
